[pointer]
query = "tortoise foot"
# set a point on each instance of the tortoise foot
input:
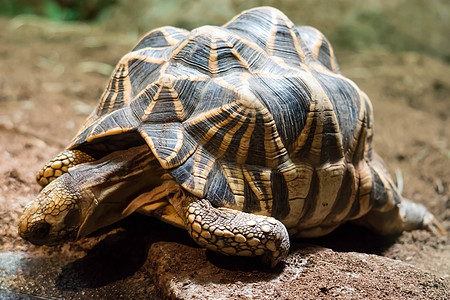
(416, 216)
(232, 232)
(431, 224)
(60, 164)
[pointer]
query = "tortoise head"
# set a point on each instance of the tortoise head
(90, 196)
(55, 215)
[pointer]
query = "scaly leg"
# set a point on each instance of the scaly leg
(232, 232)
(407, 215)
(60, 164)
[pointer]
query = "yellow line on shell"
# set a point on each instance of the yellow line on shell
(213, 63)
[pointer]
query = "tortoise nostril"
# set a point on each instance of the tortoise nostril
(41, 230)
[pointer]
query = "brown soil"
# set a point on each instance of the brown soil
(51, 78)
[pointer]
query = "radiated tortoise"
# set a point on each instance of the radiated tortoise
(243, 134)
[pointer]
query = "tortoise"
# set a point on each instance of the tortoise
(243, 135)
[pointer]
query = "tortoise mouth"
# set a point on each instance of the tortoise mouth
(41, 233)
(38, 234)
(57, 240)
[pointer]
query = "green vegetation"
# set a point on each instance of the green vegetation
(58, 10)
(396, 25)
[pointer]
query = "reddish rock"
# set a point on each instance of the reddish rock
(312, 272)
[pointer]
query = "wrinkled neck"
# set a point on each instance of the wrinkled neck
(111, 183)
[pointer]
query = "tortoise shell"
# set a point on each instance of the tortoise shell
(253, 115)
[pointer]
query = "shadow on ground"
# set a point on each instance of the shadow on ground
(121, 254)
(118, 255)
(352, 238)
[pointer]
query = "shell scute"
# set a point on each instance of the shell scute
(256, 26)
(193, 174)
(165, 106)
(162, 37)
(319, 46)
(288, 94)
(217, 188)
(142, 73)
(194, 53)
(171, 145)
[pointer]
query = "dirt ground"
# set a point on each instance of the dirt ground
(52, 75)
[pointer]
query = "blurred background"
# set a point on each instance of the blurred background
(399, 25)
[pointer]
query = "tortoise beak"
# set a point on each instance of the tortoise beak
(40, 234)
(37, 234)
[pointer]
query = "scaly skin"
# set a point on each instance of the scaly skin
(54, 216)
(232, 232)
(60, 164)
(58, 204)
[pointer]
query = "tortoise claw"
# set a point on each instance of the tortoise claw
(431, 224)
(416, 216)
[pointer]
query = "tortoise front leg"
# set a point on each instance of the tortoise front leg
(60, 164)
(232, 232)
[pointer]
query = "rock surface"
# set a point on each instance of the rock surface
(309, 272)
(146, 259)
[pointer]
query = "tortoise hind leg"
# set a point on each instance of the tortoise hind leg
(391, 213)
(416, 216)
(405, 216)
(232, 232)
